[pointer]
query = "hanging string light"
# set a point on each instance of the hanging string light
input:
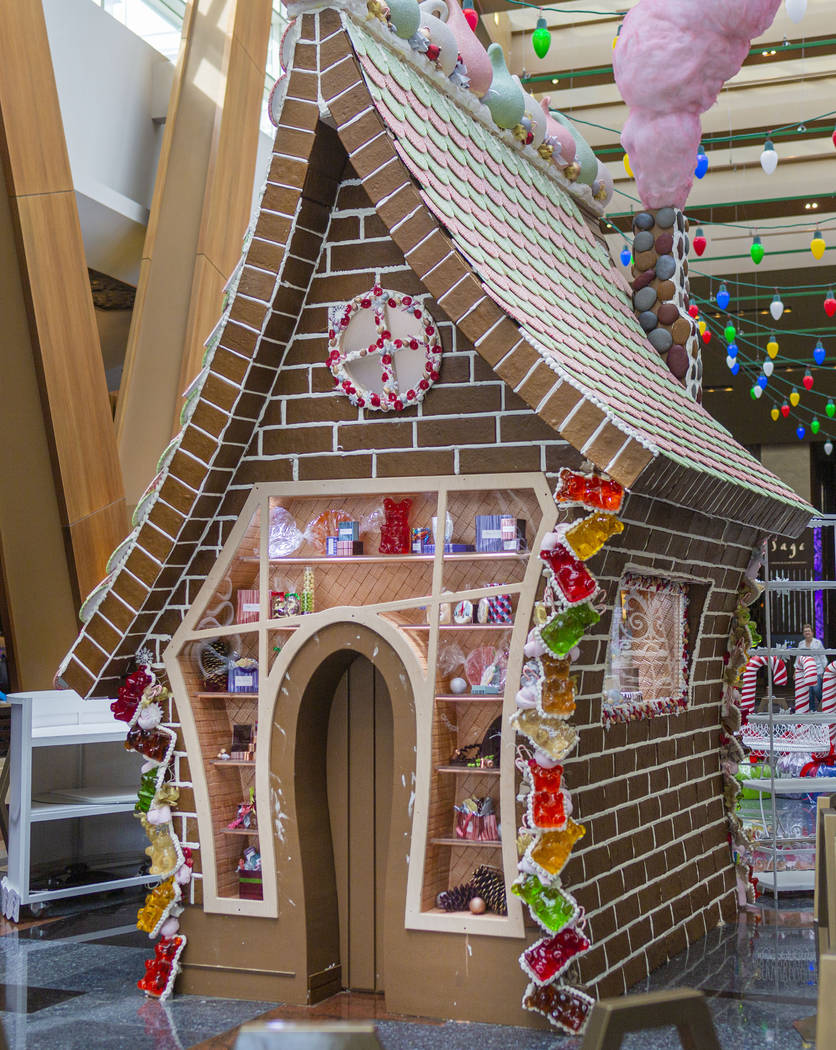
(541, 38)
(756, 392)
(785, 410)
(772, 347)
(625, 160)
(702, 163)
(776, 307)
(796, 9)
(830, 409)
(815, 426)
(776, 415)
(808, 380)
(800, 432)
(819, 353)
(828, 447)
(768, 367)
(817, 245)
(756, 250)
(769, 158)
(795, 397)
(723, 297)
(729, 332)
(829, 303)
(625, 256)
(700, 242)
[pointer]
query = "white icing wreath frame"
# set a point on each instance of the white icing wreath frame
(390, 398)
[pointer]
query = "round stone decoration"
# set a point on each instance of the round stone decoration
(644, 298)
(643, 221)
(678, 360)
(666, 291)
(664, 243)
(667, 313)
(643, 279)
(661, 339)
(384, 351)
(665, 218)
(642, 242)
(647, 319)
(665, 267)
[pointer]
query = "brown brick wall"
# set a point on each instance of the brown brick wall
(653, 871)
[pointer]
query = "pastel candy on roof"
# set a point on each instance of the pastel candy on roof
(405, 17)
(561, 140)
(471, 52)
(433, 13)
(670, 63)
(505, 99)
(584, 156)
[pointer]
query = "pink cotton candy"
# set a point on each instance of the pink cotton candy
(670, 63)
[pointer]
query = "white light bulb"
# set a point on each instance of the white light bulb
(796, 9)
(756, 390)
(769, 158)
(776, 308)
(767, 368)
(828, 446)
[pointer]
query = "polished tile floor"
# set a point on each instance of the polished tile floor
(68, 982)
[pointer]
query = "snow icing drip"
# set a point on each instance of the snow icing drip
(670, 63)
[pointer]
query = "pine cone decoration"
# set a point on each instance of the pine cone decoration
(457, 898)
(489, 884)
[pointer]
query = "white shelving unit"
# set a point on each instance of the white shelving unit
(56, 718)
(774, 730)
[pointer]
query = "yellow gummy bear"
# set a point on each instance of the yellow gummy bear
(588, 536)
(162, 850)
(155, 905)
(558, 692)
(552, 849)
(551, 735)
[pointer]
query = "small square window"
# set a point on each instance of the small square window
(648, 656)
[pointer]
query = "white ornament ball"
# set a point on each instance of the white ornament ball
(478, 906)
(458, 685)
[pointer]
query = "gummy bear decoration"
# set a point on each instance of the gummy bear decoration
(394, 532)
(158, 901)
(162, 851)
(572, 577)
(153, 743)
(551, 735)
(565, 1007)
(163, 968)
(547, 958)
(546, 800)
(551, 850)
(564, 630)
(147, 790)
(549, 906)
(592, 491)
(124, 707)
(557, 693)
(587, 536)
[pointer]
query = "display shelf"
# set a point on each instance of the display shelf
(473, 771)
(507, 627)
(786, 881)
(227, 696)
(466, 698)
(792, 785)
(490, 844)
(370, 559)
(240, 831)
(67, 811)
(81, 733)
(233, 763)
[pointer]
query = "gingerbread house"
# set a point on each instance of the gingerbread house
(339, 567)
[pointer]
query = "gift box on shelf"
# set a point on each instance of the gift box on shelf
(420, 540)
(331, 546)
(248, 606)
(500, 609)
(284, 603)
(451, 548)
(513, 533)
(242, 676)
(250, 885)
(497, 533)
(349, 548)
(348, 530)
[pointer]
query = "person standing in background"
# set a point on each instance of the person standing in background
(814, 648)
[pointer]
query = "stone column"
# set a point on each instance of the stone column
(661, 293)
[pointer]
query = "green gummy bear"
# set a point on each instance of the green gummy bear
(147, 790)
(564, 631)
(549, 906)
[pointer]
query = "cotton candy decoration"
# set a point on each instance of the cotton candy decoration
(169, 927)
(671, 62)
(183, 875)
(150, 716)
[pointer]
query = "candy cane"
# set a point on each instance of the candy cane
(805, 676)
(828, 694)
(750, 680)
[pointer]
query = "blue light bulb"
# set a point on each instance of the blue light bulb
(735, 368)
(626, 256)
(723, 297)
(731, 349)
(819, 353)
(702, 163)
(800, 432)
(762, 381)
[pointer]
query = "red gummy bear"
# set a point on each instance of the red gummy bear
(566, 1007)
(593, 491)
(547, 802)
(394, 532)
(548, 958)
(570, 574)
(158, 969)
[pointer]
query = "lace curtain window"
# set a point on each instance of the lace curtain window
(647, 660)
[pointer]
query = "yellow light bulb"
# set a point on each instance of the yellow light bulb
(795, 397)
(772, 347)
(817, 246)
(775, 414)
(702, 327)
(627, 166)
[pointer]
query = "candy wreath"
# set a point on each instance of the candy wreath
(545, 701)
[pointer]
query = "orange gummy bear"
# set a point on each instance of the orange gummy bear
(551, 735)
(552, 849)
(155, 905)
(588, 536)
(558, 692)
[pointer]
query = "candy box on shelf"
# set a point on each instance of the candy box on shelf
(348, 530)
(331, 546)
(242, 676)
(499, 532)
(250, 885)
(349, 548)
(419, 539)
(451, 548)
(248, 606)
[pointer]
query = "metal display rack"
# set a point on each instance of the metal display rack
(779, 733)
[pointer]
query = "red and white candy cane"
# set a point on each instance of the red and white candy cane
(806, 675)
(828, 694)
(750, 680)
